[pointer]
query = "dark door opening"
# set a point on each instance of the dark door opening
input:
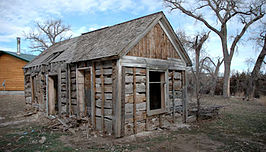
(156, 82)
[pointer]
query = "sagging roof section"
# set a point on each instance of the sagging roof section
(106, 42)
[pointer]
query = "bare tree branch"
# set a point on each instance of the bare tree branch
(46, 34)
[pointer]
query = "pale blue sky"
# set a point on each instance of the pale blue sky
(17, 16)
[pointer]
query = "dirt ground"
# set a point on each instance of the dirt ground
(241, 126)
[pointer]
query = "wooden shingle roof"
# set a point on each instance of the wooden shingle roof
(106, 42)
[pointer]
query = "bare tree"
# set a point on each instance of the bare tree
(213, 71)
(47, 33)
(261, 40)
(247, 12)
(196, 45)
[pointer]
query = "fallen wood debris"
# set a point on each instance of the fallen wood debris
(207, 112)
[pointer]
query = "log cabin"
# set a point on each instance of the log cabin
(11, 70)
(126, 78)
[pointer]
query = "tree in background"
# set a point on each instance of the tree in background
(224, 11)
(47, 33)
(261, 41)
(195, 44)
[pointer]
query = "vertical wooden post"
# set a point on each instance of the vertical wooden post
(184, 96)
(77, 92)
(103, 99)
(173, 95)
(67, 89)
(147, 96)
(123, 97)
(47, 96)
(59, 91)
(32, 89)
(118, 100)
(114, 81)
(93, 102)
(134, 101)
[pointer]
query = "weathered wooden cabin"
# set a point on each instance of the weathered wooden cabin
(125, 78)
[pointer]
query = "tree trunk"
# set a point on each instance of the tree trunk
(255, 71)
(197, 83)
(226, 86)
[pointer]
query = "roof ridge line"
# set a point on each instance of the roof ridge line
(122, 23)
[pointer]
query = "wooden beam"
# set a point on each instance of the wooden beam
(103, 99)
(118, 100)
(173, 96)
(134, 101)
(93, 106)
(59, 92)
(68, 77)
(123, 98)
(47, 96)
(114, 81)
(185, 114)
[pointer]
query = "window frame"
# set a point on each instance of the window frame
(163, 102)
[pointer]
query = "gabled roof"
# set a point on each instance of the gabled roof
(110, 41)
(22, 56)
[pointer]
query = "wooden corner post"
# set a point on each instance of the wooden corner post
(118, 104)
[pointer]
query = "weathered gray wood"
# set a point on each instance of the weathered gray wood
(131, 61)
(113, 95)
(118, 100)
(173, 96)
(107, 103)
(134, 101)
(139, 37)
(93, 104)
(47, 98)
(103, 99)
(105, 72)
(59, 92)
(185, 113)
(106, 80)
(123, 101)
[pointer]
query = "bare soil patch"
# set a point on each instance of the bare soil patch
(241, 126)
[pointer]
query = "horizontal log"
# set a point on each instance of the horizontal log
(106, 80)
(107, 104)
(107, 96)
(140, 87)
(129, 108)
(107, 112)
(139, 98)
(106, 65)
(177, 75)
(105, 72)
(141, 106)
(107, 88)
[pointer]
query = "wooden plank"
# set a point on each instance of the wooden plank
(134, 101)
(59, 92)
(47, 97)
(93, 106)
(103, 99)
(69, 109)
(147, 97)
(114, 81)
(173, 96)
(123, 102)
(118, 100)
(185, 113)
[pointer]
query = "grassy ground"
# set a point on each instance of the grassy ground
(241, 126)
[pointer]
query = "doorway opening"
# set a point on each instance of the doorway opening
(84, 92)
(53, 95)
